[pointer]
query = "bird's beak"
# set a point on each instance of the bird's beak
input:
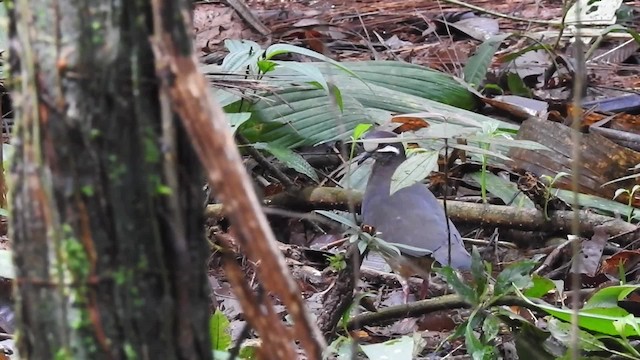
(364, 157)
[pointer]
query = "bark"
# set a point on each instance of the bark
(106, 200)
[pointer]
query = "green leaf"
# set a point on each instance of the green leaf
(596, 322)
(471, 340)
(515, 274)
(490, 327)
(397, 349)
(494, 140)
(595, 202)
(266, 66)
(462, 289)
(290, 159)
(7, 153)
(480, 151)
(517, 86)
(307, 69)
(608, 297)
(302, 116)
(344, 220)
(4, 212)
(6, 264)
(530, 343)
(413, 170)
(243, 56)
(235, 120)
(507, 191)
(478, 64)
(360, 129)
(277, 49)
(337, 96)
(219, 331)
(478, 272)
(540, 286)
(562, 332)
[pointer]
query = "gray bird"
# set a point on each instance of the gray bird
(411, 216)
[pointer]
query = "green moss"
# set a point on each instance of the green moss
(129, 352)
(63, 354)
(116, 168)
(163, 190)
(151, 150)
(88, 190)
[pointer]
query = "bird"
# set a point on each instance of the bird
(410, 218)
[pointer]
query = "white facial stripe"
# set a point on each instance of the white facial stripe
(389, 149)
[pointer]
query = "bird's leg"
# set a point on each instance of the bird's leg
(406, 289)
(424, 288)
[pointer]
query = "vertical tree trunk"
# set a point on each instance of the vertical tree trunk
(106, 201)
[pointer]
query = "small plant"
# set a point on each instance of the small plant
(630, 194)
(489, 131)
(549, 182)
(337, 262)
(483, 325)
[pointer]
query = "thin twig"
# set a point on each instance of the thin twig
(495, 13)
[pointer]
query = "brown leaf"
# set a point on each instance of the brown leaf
(409, 123)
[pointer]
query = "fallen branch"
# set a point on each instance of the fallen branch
(422, 307)
(333, 198)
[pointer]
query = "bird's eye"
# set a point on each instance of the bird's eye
(389, 149)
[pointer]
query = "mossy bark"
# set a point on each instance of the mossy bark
(105, 212)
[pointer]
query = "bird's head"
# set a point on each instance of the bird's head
(383, 145)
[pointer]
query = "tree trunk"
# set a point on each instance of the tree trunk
(106, 202)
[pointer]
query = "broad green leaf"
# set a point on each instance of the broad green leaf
(490, 327)
(515, 274)
(479, 151)
(562, 332)
(517, 86)
(6, 264)
(530, 342)
(219, 331)
(413, 170)
(595, 202)
(397, 349)
(344, 220)
(600, 323)
(235, 120)
(303, 116)
(221, 355)
(416, 80)
(290, 158)
(243, 56)
(307, 69)
(495, 140)
(224, 97)
(277, 49)
(359, 176)
(7, 153)
(477, 65)
(628, 320)
(462, 289)
(507, 191)
(540, 286)
(609, 296)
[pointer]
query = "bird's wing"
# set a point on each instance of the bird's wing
(413, 217)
